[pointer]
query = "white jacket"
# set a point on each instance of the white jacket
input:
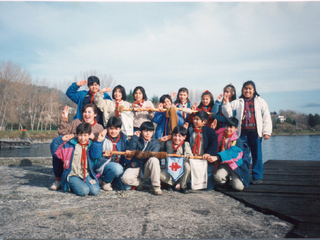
(262, 114)
(108, 108)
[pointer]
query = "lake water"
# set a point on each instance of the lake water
(277, 147)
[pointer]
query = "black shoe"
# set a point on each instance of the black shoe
(169, 189)
(256, 181)
(184, 190)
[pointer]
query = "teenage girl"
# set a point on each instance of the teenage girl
(254, 123)
(229, 92)
(207, 104)
(115, 108)
(183, 101)
(141, 101)
(82, 98)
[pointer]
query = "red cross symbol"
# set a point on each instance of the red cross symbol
(174, 166)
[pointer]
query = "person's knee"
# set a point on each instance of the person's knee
(95, 189)
(83, 191)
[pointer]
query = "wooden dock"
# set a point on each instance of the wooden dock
(14, 143)
(290, 191)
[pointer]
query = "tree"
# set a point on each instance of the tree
(130, 97)
(311, 120)
(155, 100)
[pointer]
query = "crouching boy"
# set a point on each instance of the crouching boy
(231, 157)
(144, 168)
(78, 156)
(180, 147)
(111, 166)
(203, 142)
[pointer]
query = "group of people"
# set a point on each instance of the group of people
(112, 143)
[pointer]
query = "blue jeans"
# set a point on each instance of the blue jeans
(112, 173)
(254, 142)
(81, 188)
(210, 183)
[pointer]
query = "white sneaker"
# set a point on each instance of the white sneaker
(157, 190)
(106, 186)
(56, 185)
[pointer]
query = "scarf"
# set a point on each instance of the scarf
(92, 97)
(140, 104)
(175, 149)
(184, 105)
(117, 105)
(84, 159)
(94, 123)
(197, 142)
(247, 110)
(114, 144)
(223, 141)
(206, 109)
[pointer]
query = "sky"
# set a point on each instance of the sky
(164, 46)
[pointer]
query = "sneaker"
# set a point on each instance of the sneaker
(106, 186)
(56, 185)
(157, 190)
(177, 187)
(256, 181)
(184, 190)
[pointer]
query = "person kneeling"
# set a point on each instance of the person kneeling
(144, 168)
(78, 156)
(231, 157)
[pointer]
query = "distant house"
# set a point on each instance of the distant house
(280, 119)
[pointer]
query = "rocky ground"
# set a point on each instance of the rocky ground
(30, 210)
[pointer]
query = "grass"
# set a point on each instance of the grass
(35, 135)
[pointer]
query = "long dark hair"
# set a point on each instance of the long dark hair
(123, 92)
(143, 92)
(250, 82)
(183, 89)
(233, 89)
(211, 99)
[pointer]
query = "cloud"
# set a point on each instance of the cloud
(164, 46)
(311, 105)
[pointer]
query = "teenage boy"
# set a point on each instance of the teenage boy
(144, 168)
(180, 147)
(78, 156)
(231, 157)
(111, 166)
(203, 142)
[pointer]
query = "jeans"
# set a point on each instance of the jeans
(210, 183)
(254, 142)
(81, 188)
(112, 173)
(57, 165)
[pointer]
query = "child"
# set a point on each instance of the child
(89, 113)
(180, 147)
(183, 101)
(229, 92)
(231, 158)
(203, 142)
(141, 101)
(141, 168)
(206, 105)
(83, 97)
(255, 122)
(111, 166)
(78, 156)
(167, 121)
(115, 107)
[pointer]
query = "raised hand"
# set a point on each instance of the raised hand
(194, 106)
(91, 136)
(172, 95)
(65, 113)
(219, 98)
(186, 125)
(106, 89)
(225, 98)
(137, 133)
(160, 106)
(102, 135)
(165, 138)
(82, 83)
(214, 124)
(68, 137)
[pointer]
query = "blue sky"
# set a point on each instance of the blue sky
(167, 45)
